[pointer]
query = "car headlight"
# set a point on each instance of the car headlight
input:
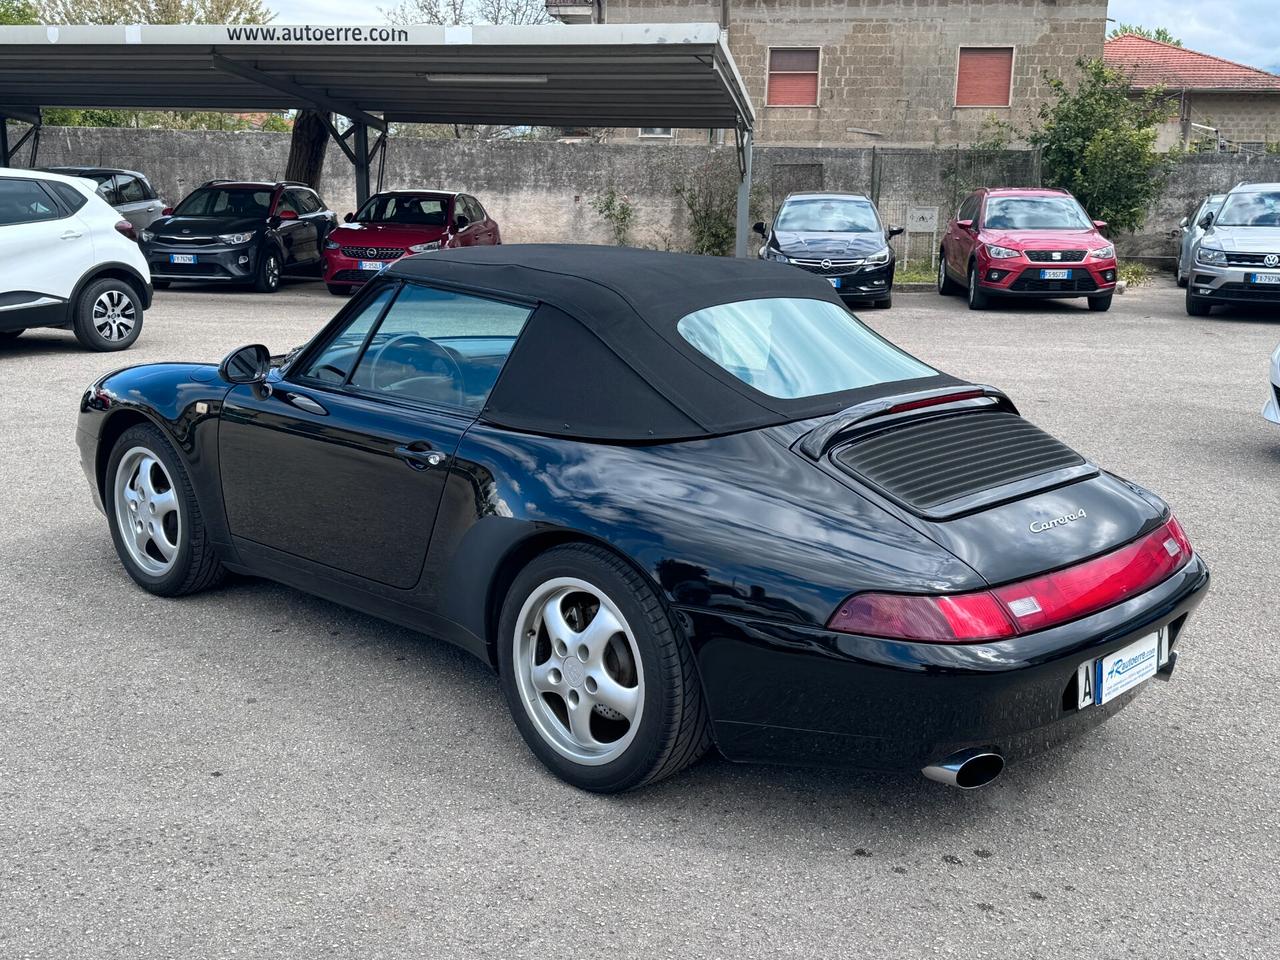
(424, 247)
(778, 255)
(880, 256)
(235, 238)
(332, 245)
(997, 252)
(1103, 253)
(147, 236)
(1211, 255)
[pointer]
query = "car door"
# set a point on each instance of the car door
(136, 201)
(487, 229)
(314, 212)
(342, 463)
(963, 240)
(297, 234)
(45, 248)
(471, 233)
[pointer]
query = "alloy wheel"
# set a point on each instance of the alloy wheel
(273, 272)
(114, 315)
(147, 513)
(578, 671)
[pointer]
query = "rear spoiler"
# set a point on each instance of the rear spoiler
(823, 437)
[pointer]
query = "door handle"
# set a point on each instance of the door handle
(419, 455)
(306, 403)
(71, 235)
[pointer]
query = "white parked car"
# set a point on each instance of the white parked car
(1271, 409)
(65, 261)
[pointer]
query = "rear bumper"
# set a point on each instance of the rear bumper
(788, 694)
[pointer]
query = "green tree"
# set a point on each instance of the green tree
(1159, 33)
(1098, 140)
(17, 13)
(153, 11)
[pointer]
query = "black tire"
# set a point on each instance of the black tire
(8, 336)
(674, 728)
(195, 567)
(1197, 306)
(1100, 304)
(267, 279)
(111, 294)
(339, 290)
(885, 303)
(160, 284)
(977, 299)
(946, 286)
(1178, 275)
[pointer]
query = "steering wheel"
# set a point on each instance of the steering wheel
(409, 344)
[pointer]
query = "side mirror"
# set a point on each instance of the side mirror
(249, 364)
(1184, 222)
(964, 224)
(286, 215)
(896, 231)
(1100, 224)
(1206, 221)
(349, 218)
(759, 228)
(460, 222)
(167, 212)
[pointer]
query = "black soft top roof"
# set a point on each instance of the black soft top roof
(601, 357)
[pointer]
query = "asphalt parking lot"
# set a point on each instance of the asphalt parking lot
(253, 771)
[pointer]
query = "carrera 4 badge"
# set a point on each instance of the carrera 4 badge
(1040, 526)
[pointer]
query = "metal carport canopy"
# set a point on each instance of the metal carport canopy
(598, 75)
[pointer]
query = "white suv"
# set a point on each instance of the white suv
(65, 261)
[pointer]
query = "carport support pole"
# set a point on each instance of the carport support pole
(362, 164)
(4, 140)
(743, 230)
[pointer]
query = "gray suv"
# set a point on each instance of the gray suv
(1237, 259)
(128, 191)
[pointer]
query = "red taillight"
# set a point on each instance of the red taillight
(126, 228)
(934, 401)
(1020, 607)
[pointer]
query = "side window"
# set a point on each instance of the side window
(477, 211)
(289, 201)
(70, 197)
(129, 188)
(25, 201)
(334, 363)
(440, 347)
(307, 201)
(969, 209)
(148, 191)
(108, 188)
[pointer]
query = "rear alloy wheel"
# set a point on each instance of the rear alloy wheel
(977, 299)
(108, 315)
(946, 286)
(599, 683)
(155, 521)
(1100, 304)
(1197, 306)
(268, 278)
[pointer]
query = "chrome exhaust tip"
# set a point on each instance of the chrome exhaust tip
(967, 769)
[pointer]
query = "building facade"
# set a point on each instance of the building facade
(886, 72)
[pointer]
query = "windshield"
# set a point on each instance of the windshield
(790, 348)
(427, 211)
(1035, 213)
(1250, 210)
(828, 216)
(226, 202)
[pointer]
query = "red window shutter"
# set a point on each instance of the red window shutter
(793, 78)
(984, 76)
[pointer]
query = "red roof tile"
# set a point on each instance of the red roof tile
(1151, 63)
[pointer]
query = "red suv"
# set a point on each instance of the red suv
(1026, 243)
(399, 223)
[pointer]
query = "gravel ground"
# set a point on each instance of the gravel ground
(258, 772)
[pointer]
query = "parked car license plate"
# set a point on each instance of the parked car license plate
(371, 265)
(1265, 278)
(1055, 274)
(1105, 678)
(835, 282)
(182, 258)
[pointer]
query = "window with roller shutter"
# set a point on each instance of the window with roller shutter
(984, 76)
(793, 77)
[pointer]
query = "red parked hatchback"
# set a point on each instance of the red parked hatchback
(399, 223)
(1018, 242)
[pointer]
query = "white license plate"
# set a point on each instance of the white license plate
(1055, 274)
(835, 282)
(371, 264)
(182, 258)
(1105, 678)
(1266, 278)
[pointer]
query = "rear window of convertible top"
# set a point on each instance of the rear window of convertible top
(791, 348)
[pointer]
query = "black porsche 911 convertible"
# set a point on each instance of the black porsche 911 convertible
(674, 501)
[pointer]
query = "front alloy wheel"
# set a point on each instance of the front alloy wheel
(268, 279)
